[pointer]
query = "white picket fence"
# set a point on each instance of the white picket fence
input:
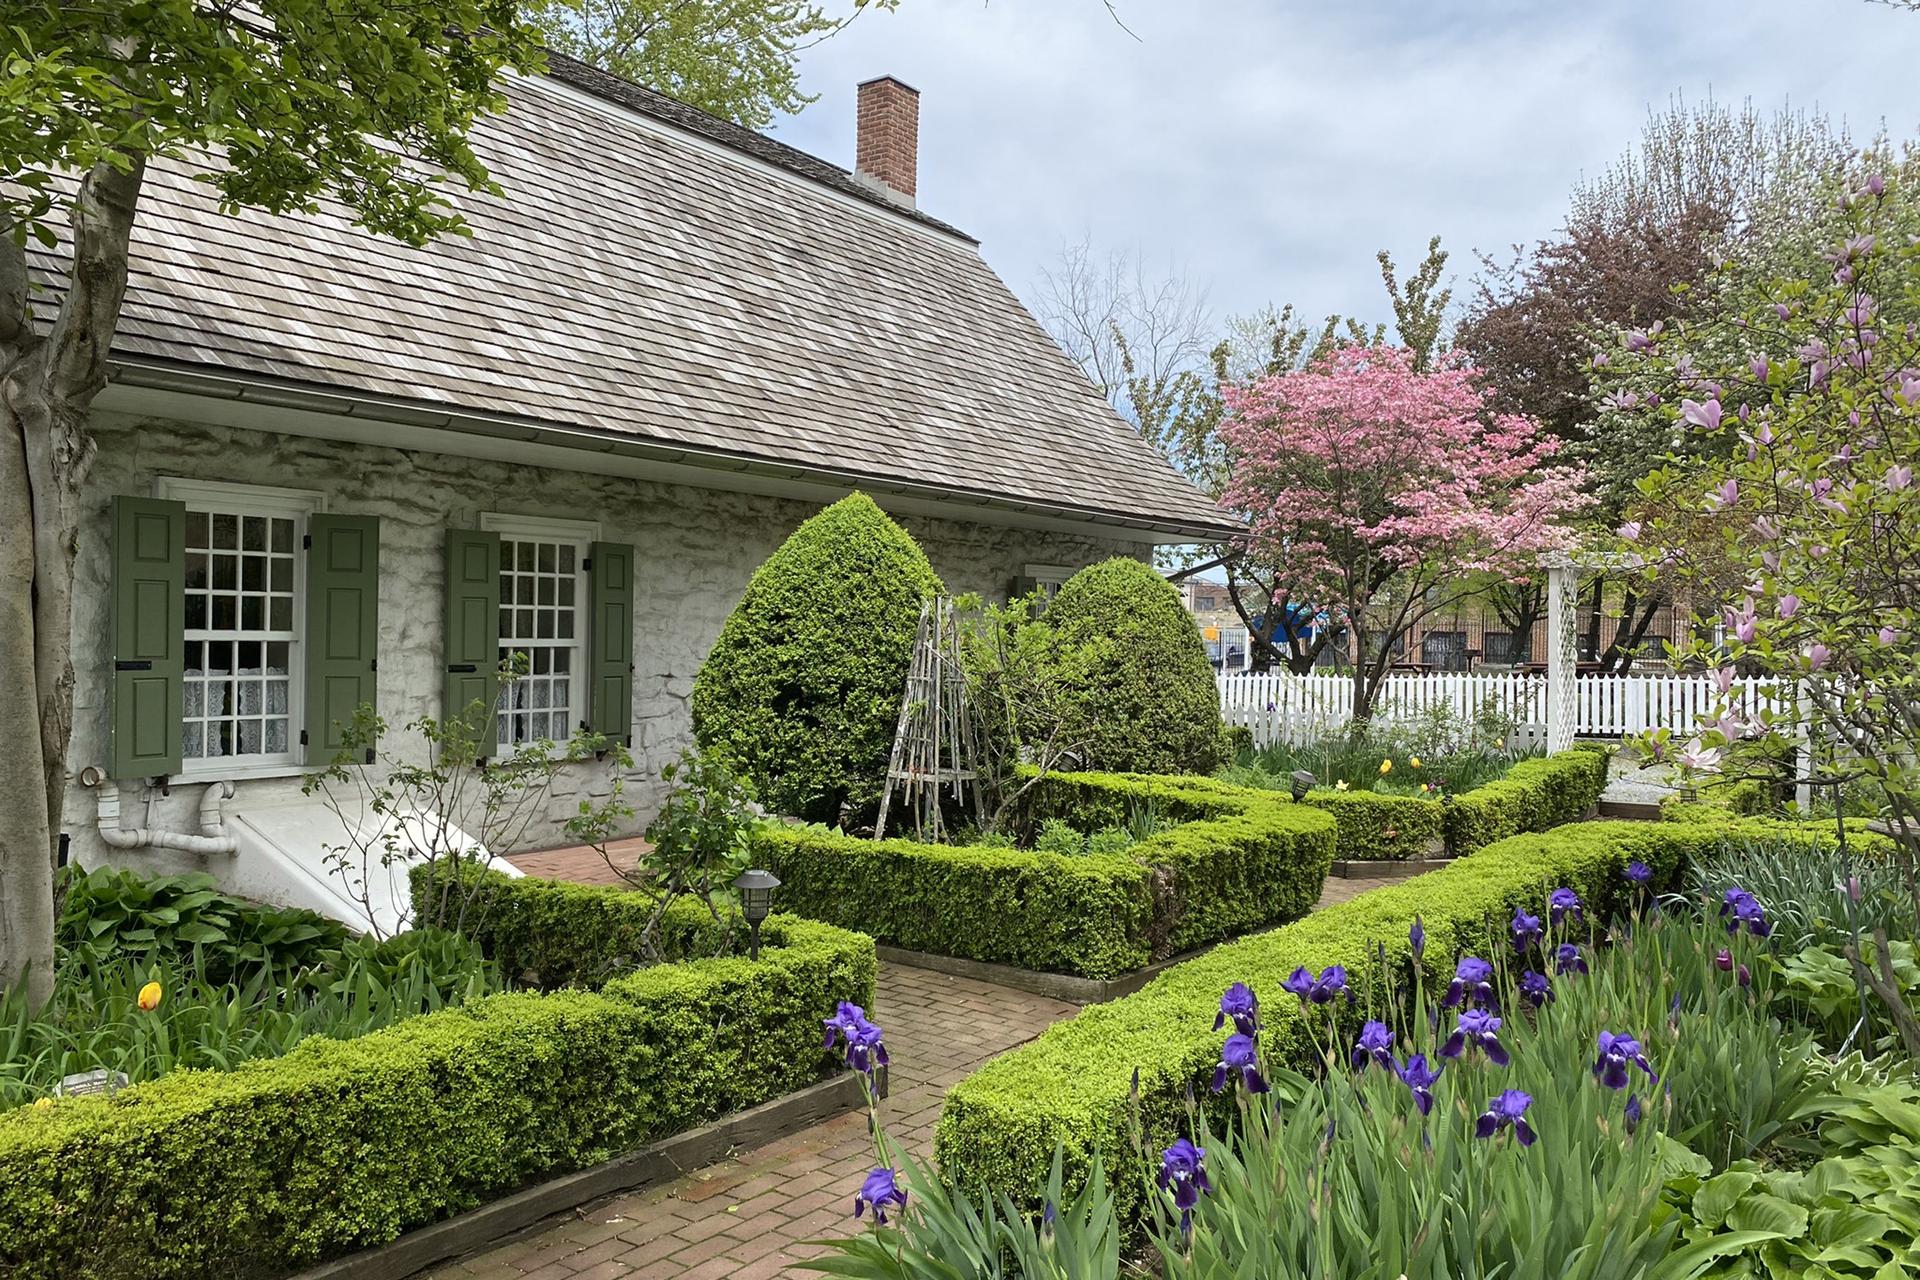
(1291, 708)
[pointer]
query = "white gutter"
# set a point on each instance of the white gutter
(213, 837)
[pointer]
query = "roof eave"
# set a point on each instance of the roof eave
(158, 374)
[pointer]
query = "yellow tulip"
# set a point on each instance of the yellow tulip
(150, 997)
(1386, 767)
(1414, 761)
(43, 1102)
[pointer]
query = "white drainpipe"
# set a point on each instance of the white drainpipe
(213, 837)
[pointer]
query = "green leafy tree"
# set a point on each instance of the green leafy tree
(733, 58)
(284, 103)
(1152, 707)
(801, 693)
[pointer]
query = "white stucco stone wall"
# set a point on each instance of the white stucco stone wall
(695, 549)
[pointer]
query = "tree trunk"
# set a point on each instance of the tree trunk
(47, 386)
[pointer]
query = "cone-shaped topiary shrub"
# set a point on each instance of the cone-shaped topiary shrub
(1156, 709)
(802, 690)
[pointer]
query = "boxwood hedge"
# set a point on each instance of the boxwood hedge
(341, 1145)
(1238, 860)
(1071, 1086)
(1533, 795)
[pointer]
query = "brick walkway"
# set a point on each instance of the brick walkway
(1339, 889)
(748, 1218)
(581, 864)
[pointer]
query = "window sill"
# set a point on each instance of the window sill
(242, 773)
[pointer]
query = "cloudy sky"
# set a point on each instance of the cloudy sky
(1271, 148)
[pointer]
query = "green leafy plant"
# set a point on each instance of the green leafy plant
(455, 800)
(801, 692)
(111, 915)
(699, 845)
(1153, 707)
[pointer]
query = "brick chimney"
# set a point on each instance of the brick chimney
(887, 149)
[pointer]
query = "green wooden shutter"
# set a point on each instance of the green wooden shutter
(343, 627)
(610, 641)
(149, 625)
(473, 627)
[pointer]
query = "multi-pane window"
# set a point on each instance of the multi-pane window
(241, 682)
(541, 598)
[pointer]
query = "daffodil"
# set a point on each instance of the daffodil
(149, 999)
(1386, 767)
(1341, 785)
(43, 1102)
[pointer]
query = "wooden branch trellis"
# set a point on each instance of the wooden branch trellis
(935, 743)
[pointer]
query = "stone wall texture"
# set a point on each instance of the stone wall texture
(695, 549)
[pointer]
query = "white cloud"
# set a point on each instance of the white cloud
(1274, 147)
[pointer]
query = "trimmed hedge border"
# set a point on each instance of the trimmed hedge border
(1071, 1086)
(1240, 860)
(341, 1145)
(1535, 794)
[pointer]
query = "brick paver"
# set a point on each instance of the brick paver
(749, 1218)
(581, 864)
(1339, 889)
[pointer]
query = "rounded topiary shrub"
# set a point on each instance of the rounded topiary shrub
(802, 690)
(1154, 708)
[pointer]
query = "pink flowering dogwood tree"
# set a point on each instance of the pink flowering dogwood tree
(1388, 494)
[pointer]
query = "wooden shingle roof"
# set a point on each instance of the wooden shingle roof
(654, 273)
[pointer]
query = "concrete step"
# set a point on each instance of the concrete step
(1631, 810)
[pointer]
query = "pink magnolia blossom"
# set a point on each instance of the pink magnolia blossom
(1630, 531)
(1705, 416)
(1726, 496)
(1723, 679)
(1888, 636)
(1897, 478)
(1696, 756)
(1789, 605)
(1817, 655)
(1760, 368)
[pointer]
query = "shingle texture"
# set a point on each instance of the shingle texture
(657, 273)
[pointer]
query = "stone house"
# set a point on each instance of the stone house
(336, 469)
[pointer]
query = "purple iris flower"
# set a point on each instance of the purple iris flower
(1567, 959)
(846, 1018)
(1526, 929)
(1420, 1078)
(1240, 1006)
(1741, 908)
(1633, 1113)
(1562, 903)
(1300, 982)
(1510, 1108)
(1617, 1053)
(1639, 872)
(1417, 938)
(1239, 1054)
(866, 1048)
(1332, 982)
(877, 1192)
(1183, 1171)
(1477, 1027)
(1472, 982)
(1536, 988)
(1375, 1045)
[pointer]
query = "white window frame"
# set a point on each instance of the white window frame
(1048, 578)
(273, 501)
(582, 534)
